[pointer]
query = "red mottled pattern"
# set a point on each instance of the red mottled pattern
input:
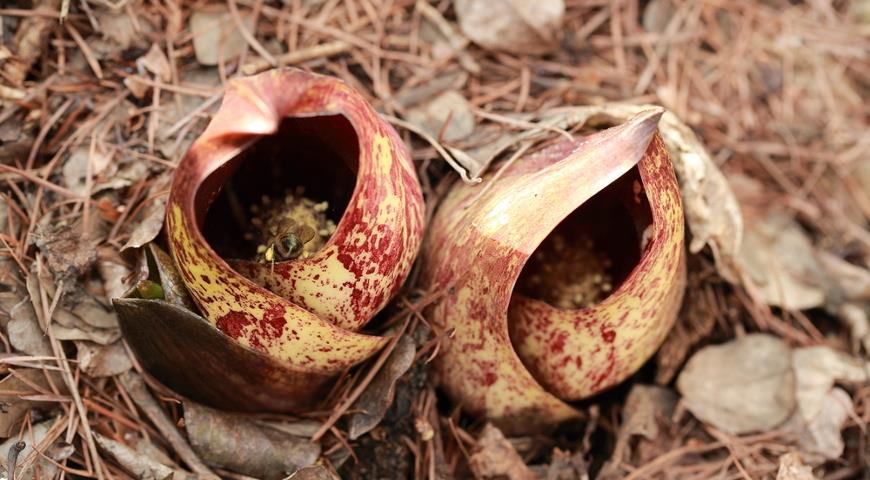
(377, 237)
(477, 251)
(606, 343)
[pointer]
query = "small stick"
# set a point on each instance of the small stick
(139, 393)
(436, 145)
(358, 390)
(298, 56)
(12, 458)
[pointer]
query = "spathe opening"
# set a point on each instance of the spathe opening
(592, 251)
(306, 171)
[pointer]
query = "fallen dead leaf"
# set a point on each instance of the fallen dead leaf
(24, 331)
(68, 253)
(518, 26)
(495, 457)
(447, 117)
(80, 164)
(86, 320)
(745, 385)
(855, 317)
(779, 259)
(657, 14)
(140, 395)
(646, 407)
(237, 444)
(36, 460)
(371, 406)
(791, 467)
(849, 282)
(155, 61)
(139, 465)
(103, 360)
(567, 466)
(84, 332)
(822, 407)
(119, 28)
(215, 35)
(113, 271)
(90, 311)
(28, 42)
(12, 388)
(476, 160)
(150, 221)
(446, 42)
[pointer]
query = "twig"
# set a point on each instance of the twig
(12, 458)
(510, 161)
(436, 145)
(358, 390)
(139, 393)
(322, 50)
(246, 34)
(86, 51)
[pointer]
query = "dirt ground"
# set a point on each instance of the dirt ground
(764, 374)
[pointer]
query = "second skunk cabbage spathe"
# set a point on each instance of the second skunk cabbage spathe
(304, 312)
(523, 344)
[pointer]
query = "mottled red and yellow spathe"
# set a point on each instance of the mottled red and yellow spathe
(477, 248)
(304, 312)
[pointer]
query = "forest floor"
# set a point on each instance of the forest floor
(100, 99)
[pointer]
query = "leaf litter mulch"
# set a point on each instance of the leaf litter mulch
(765, 374)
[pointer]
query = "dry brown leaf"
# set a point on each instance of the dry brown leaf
(745, 385)
(447, 117)
(237, 444)
(155, 61)
(379, 394)
(657, 14)
(80, 164)
(120, 29)
(86, 319)
(476, 160)
(849, 282)
(84, 332)
(147, 448)
(90, 311)
(791, 467)
(24, 332)
(68, 252)
(113, 271)
(28, 42)
(518, 26)
(215, 35)
(137, 464)
(495, 457)
(646, 407)
(103, 360)
(567, 466)
(32, 462)
(150, 221)
(12, 388)
(822, 407)
(855, 317)
(779, 259)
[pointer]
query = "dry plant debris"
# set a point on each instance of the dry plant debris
(99, 100)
